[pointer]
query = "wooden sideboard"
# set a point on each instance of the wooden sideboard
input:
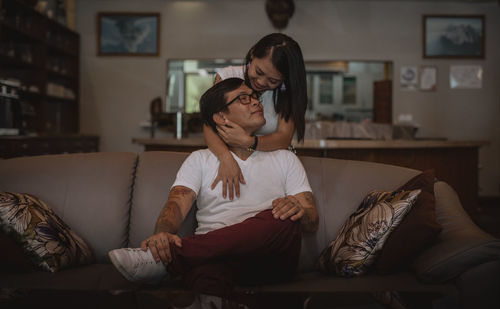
(19, 146)
(455, 162)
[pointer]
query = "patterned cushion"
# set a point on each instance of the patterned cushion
(362, 236)
(48, 242)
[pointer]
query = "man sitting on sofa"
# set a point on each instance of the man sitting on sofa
(254, 239)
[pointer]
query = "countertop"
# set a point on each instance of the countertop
(328, 144)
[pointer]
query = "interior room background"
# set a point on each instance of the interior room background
(115, 92)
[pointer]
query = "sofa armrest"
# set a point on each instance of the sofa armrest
(461, 244)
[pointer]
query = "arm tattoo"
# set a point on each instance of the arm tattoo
(171, 217)
(309, 220)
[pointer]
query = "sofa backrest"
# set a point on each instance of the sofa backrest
(156, 172)
(112, 200)
(90, 192)
(338, 186)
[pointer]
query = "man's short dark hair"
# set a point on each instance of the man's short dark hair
(213, 100)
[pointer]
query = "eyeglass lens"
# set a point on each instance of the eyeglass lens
(245, 98)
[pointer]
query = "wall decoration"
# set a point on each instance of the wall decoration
(466, 77)
(428, 78)
(128, 34)
(453, 36)
(408, 77)
(280, 12)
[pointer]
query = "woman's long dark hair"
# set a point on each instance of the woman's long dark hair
(287, 59)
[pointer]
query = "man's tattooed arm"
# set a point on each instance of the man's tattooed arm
(310, 219)
(175, 210)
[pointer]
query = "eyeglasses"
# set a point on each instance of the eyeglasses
(245, 98)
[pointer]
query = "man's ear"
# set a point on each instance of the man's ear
(219, 118)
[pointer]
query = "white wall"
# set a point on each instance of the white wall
(115, 91)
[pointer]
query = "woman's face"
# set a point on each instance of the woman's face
(263, 75)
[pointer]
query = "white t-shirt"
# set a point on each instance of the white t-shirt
(269, 175)
(266, 99)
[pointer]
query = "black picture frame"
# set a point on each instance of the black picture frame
(128, 34)
(454, 36)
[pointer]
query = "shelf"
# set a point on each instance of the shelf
(29, 35)
(61, 75)
(61, 50)
(25, 34)
(61, 99)
(15, 63)
(9, 96)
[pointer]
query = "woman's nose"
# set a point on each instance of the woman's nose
(262, 82)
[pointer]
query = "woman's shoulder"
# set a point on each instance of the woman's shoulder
(232, 71)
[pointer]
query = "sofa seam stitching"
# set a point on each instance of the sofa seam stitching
(130, 200)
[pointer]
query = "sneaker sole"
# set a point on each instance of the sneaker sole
(118, 266)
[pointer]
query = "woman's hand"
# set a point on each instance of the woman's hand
(234, 135)
(160, 244)
(230, 175)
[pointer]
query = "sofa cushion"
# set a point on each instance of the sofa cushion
(460, 246)
(91, 192)
(364, 233)
(94, 277)
(403, 244)
(45, 238)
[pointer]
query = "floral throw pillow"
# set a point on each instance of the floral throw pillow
(363, 235)
(46, 240)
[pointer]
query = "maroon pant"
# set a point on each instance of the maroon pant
(259, 250)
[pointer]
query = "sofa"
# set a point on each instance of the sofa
(112, 200)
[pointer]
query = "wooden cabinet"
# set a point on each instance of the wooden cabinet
(41, 56)
(19, 146)
(382, 101)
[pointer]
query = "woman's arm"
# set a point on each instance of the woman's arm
(229, 170)
(235, 136)
(280, 139)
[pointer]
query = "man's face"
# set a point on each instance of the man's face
(248, 116)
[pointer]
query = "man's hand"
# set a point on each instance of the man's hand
(300, 206)
(287, 207)
(159, 244)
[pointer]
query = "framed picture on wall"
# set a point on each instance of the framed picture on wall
(428, 78)
(453, 36)
(128, 34)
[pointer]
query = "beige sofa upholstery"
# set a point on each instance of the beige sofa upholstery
(112, 200)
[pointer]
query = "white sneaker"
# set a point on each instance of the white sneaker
(137, 265)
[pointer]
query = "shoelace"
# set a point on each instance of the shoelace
(142, 257)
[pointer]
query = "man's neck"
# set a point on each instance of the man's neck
(242, 153)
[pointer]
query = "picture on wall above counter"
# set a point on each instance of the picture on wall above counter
(408, 77)
(466, 77)
(428, 78)
(128, 34)
(453, 36)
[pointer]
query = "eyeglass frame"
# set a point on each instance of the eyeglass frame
(254, 95)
